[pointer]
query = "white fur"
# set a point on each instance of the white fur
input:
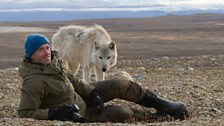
(91, 47)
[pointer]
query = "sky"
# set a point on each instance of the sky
(122, 4)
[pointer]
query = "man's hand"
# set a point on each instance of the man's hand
(65, 112)
(95, 101)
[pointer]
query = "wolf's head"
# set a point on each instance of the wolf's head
(104, 55)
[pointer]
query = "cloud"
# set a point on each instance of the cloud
(13, 4)
(156, 4)
(32, 1)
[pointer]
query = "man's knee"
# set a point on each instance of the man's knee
(129, 90)
(120, 85)
(111, 113)
(110, 89)
(119, 88)
(114, 84)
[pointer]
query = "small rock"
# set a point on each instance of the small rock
(16, 68)
(165, 58)
(141, 68)
(216, 110)
(212, 114)
(205, 56)
(180, 69)
(1, 95)
(212, 59)
(190, 68)
(137, 77)
(154, 59)
(10, 86)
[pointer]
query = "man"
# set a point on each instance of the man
(49, 91)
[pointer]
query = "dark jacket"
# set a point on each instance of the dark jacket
(46, 86)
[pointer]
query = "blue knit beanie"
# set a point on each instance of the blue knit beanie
(33, 42)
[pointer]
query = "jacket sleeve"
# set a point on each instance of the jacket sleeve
(83, 89)
(32, 94)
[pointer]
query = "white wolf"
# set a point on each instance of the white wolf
(90, 47)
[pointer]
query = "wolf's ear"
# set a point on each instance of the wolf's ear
(112, 45)
(96, 45)
(78, 34)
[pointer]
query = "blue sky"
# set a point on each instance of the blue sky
(29, 10)
(145, 4)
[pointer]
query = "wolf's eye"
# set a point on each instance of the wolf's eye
(108, 57)
(100, 57)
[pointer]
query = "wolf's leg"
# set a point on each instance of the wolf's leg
(73, 66)
(86, 74)
(75, 69)
(66, 64)
(99, 74)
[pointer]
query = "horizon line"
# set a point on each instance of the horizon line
(98, 9)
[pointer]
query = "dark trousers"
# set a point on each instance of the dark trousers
(111, 89)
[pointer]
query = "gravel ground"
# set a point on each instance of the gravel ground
(197, 81)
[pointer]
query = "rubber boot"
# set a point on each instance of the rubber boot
(178, 110)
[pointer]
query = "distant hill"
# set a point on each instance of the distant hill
(136, 38)
(18, 16)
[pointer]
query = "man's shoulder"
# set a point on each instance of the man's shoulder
(32, 83)
(35, 78)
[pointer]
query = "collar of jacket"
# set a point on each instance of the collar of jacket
(27, 68)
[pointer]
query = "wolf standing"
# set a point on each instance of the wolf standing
(91, 47)
(49, 91)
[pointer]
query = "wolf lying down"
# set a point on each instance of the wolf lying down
(90, 47)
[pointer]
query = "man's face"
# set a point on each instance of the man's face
(42, 55)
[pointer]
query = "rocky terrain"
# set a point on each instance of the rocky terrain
(178, 57)
(197, 81)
